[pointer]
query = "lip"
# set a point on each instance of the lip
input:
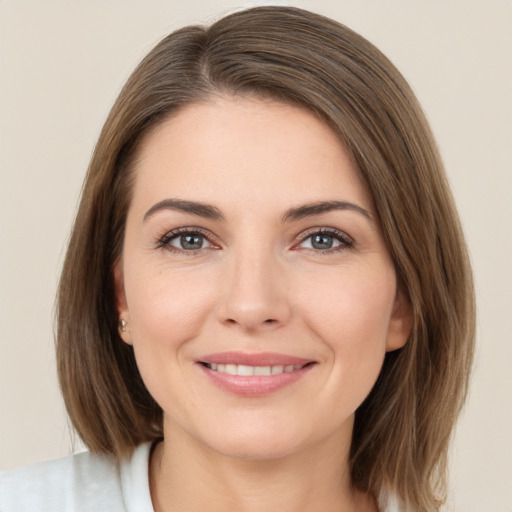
(255, 385)
(254, 359)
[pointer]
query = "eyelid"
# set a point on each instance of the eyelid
(346, 240)
(162, 242)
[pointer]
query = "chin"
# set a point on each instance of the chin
(257, 449)
(258, 441)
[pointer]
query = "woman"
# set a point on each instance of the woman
(266, 300)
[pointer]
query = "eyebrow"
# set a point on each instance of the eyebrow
(293, 214)
(201, 209)
(317, 208)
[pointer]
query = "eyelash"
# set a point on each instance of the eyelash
(164, 242)
(346, 242)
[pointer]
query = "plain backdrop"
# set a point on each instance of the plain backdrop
(62, 64)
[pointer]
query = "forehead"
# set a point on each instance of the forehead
(245, 149)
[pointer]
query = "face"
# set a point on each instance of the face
(258, 293)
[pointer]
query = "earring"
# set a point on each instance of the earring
(122, 325)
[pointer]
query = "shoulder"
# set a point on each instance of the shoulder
(388, 501)
(76, 483)
(79, 483)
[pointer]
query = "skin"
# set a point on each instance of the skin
(257, 284)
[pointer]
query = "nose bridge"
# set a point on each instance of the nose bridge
(255, 295)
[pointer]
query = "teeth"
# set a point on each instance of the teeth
(262, 370)
(231, 369)
(246, 371)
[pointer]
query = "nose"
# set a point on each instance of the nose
(254, 296)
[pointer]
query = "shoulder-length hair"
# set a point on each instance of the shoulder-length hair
(402, 429)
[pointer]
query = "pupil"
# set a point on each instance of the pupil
(191, 241)
(322, 241)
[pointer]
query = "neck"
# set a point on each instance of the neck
(185, 475)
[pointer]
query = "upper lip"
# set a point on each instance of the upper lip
(254, 359)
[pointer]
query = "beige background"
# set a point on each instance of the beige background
(61, 66)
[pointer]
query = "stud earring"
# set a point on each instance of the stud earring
(122, 325)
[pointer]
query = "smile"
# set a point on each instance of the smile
(254, 375)
(248, 371)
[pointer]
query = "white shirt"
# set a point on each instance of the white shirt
(86, 482)
(83, 482)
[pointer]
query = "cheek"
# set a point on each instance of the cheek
(167, 310)
(353, 302)
(350, 314)
(166, 306)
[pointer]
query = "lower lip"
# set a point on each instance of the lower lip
(256, 385)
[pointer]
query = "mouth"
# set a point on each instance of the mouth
(254, 375)
(249, 371)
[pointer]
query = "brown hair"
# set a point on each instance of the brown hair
(402, 429)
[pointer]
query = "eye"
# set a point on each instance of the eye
(189, 242)
(185, 240)
(325, 240)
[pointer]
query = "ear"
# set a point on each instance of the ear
(400, 324)
(121, 304)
